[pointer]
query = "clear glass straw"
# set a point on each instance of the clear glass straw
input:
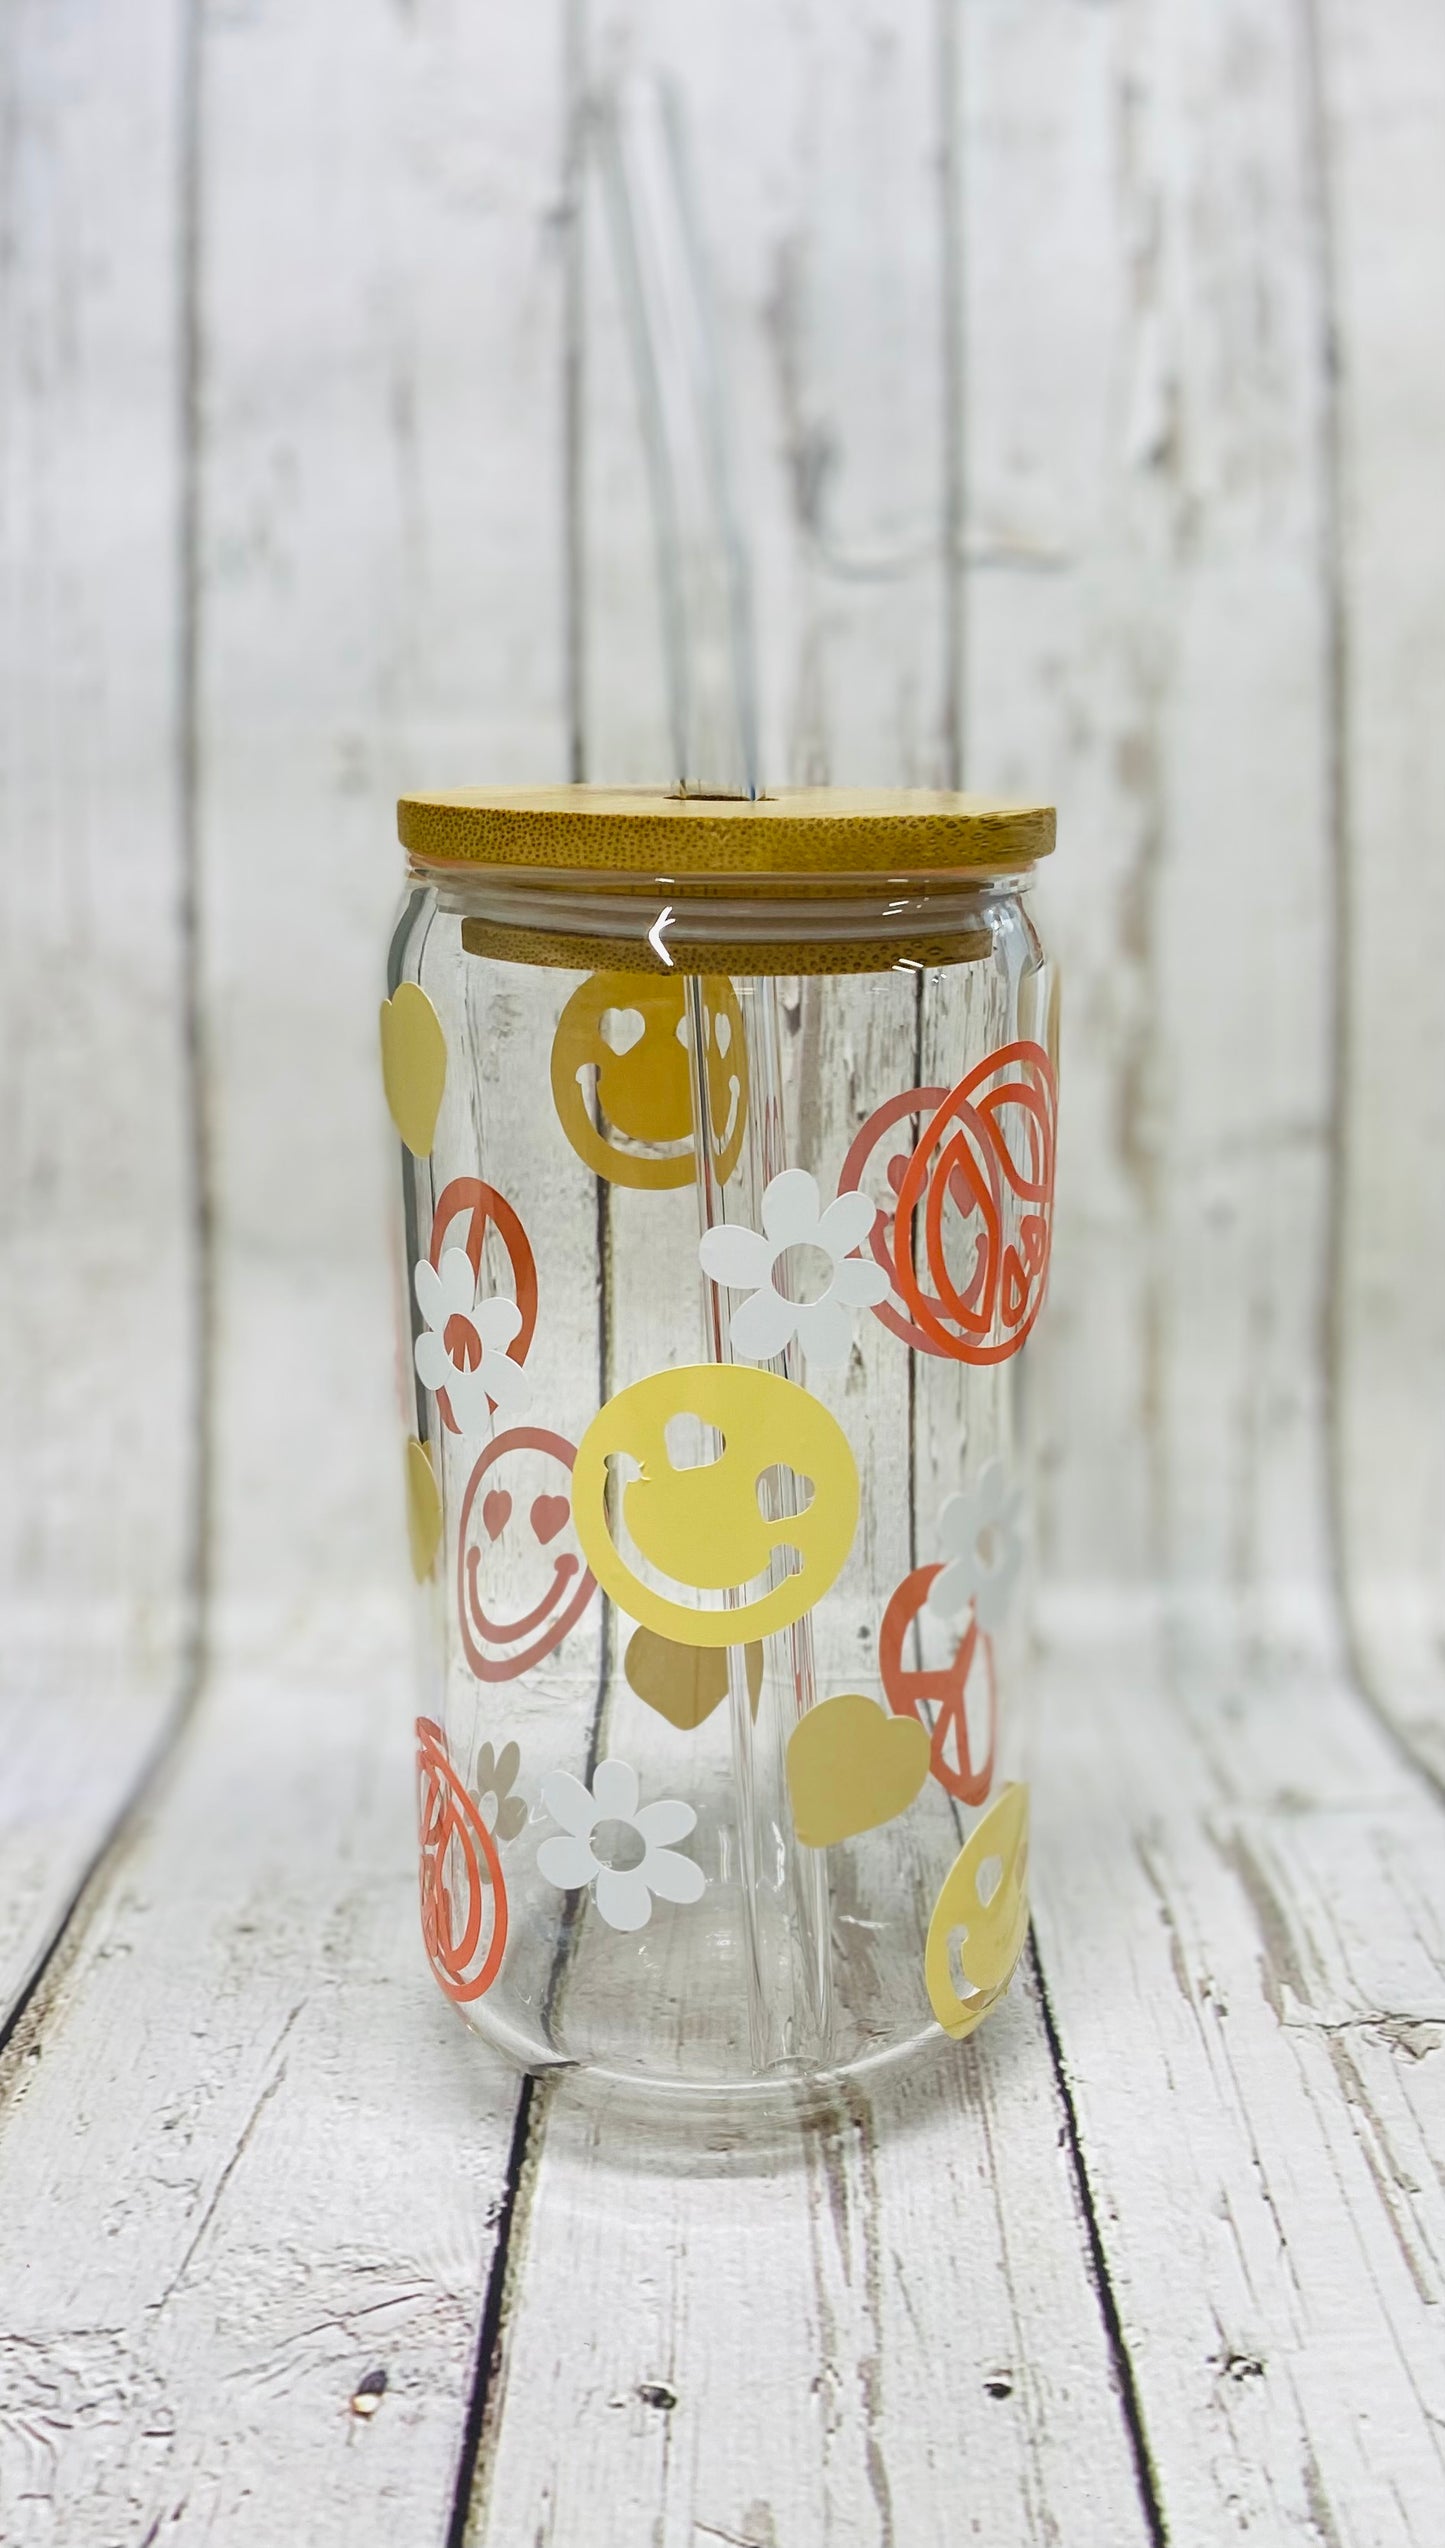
(702, 565)
(785, 1894)
(705, 597)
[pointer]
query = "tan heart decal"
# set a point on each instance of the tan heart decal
(496, 1512)
(686, 1683)
(423, 1509)
(413, 1066)
(852, 1766)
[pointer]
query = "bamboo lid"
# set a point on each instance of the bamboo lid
(800, 832)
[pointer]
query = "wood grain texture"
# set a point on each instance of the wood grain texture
(178, 2288)
(1382, 76)
(1162, 2254)
(1241, 1918)
(1188, 483)
(867, 2331)
(380, 475)
(830, 293)
(249, 2158)
(98, 1245)
(1142, 199)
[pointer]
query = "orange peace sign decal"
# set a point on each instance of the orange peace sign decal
(951, 1751)
(482, 1204)
(875, 1166)
(458, 1902)
(988, 1153)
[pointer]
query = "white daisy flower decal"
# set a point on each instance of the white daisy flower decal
(623, 1848)
(463, 1349)
(979, 1533)
(747, 1261)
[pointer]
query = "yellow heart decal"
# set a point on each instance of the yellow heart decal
(423, 1509)
(685, 1683)
(981, 1917)
(852, 1766)
(413, 1066)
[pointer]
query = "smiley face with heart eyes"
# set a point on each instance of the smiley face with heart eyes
(767, 1522)
(624, 1033)
(520, 1583)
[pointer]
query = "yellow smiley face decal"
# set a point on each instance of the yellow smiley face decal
(981, 1917)
(620, 1081)
(767, 1522)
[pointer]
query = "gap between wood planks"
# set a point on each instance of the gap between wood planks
(1144, 2472)
(485, 2401)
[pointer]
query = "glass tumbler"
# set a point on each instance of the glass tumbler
(727, 1137)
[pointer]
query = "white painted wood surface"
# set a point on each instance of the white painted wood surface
(1384, 96)
(316, 428)
(99, 1403)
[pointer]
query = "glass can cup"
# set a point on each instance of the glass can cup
(727, 1139)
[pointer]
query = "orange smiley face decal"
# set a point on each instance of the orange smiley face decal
(521, 1584)
(620, 1077)
(747, 1540)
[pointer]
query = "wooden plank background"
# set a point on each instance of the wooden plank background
(1088, 389)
